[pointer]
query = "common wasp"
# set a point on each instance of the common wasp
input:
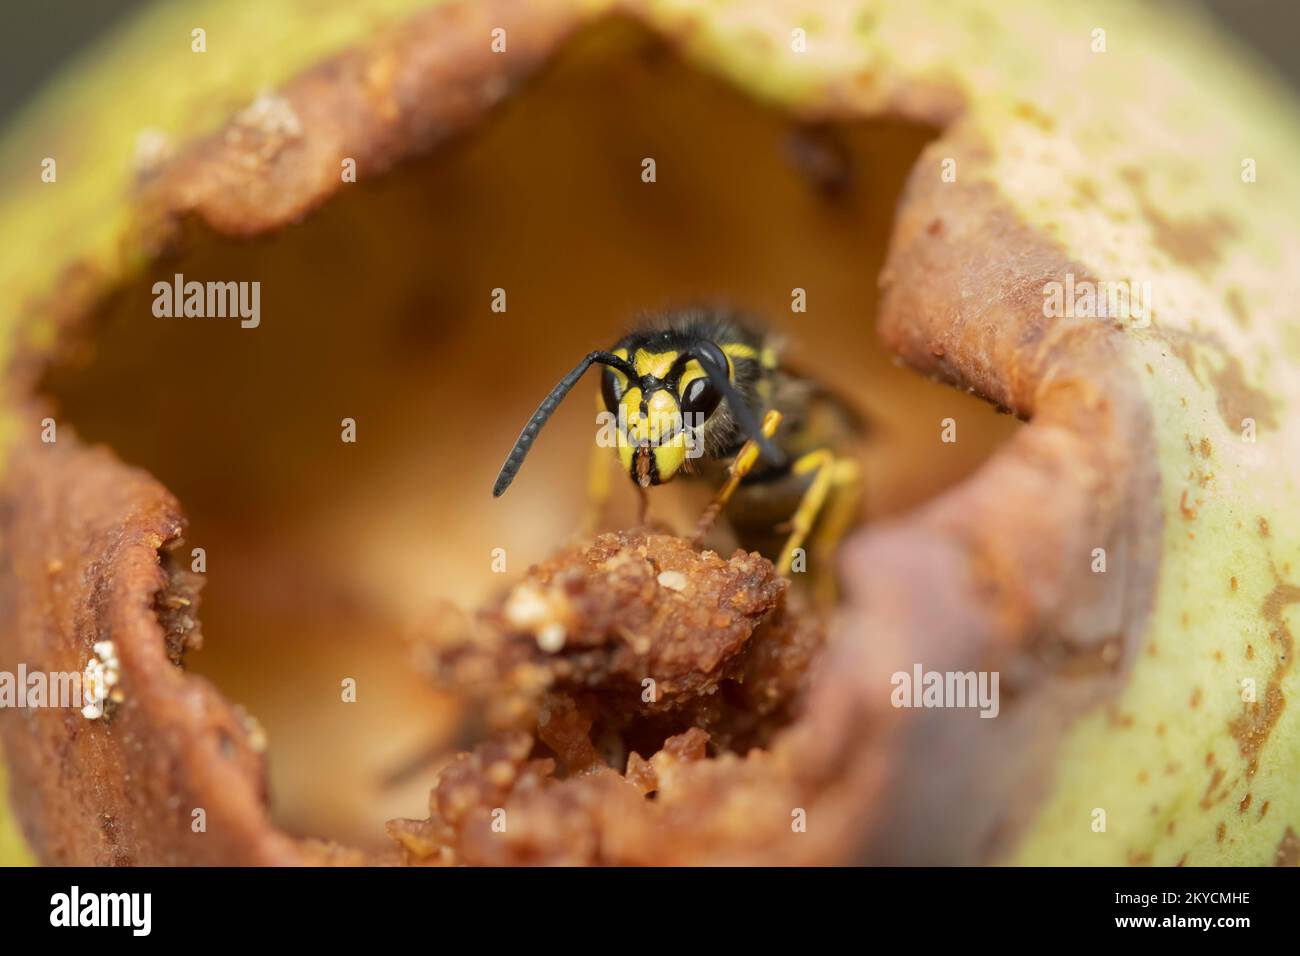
(705, 394)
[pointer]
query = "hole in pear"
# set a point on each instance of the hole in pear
(321, 554)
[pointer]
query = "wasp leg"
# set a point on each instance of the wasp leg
(598, 485)
(838, 516)
(741, 467)
(828, 473)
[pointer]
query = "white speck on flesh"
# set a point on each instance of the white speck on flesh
(673, 580)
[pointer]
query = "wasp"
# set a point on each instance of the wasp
(704, 394)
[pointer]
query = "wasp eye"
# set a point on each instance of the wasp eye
(700, 399)
(609, 390)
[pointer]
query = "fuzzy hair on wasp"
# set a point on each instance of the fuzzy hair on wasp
(702, 393)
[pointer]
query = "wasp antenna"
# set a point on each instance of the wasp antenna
(744, 414)
(544, 411)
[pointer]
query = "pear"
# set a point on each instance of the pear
(1078, 214)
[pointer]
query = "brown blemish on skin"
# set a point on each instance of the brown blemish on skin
(1184, 349)
(1263, 809)
(1142, 776)
(1263, 527)
(1208, 799)
(1237, 307)
(1195, 700)
(1205, 448)
(1238, 400)
(1182, 860)
(1188, 512)
(1235, 398)
(1257, 719)
(1220, 832)
(1250, 652)
(1232, 585)
(1193, 243)
(1288, 851)
(1160, 729)
(1244, 805)
(1139, 857)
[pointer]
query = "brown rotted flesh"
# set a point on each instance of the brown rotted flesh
(642, 736)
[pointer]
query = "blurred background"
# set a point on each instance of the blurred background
(39, 37)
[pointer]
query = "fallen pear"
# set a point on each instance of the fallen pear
(1123, 551)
